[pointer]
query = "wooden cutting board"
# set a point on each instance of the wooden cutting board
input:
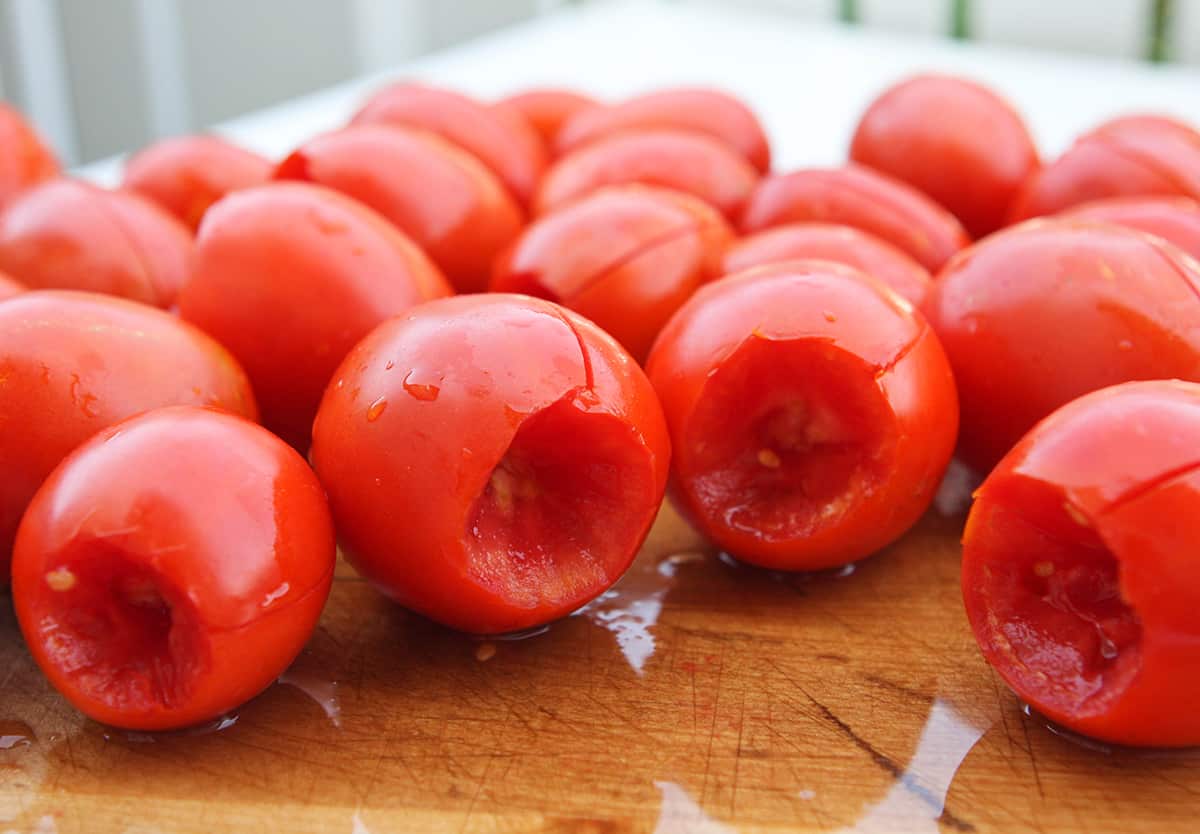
(699, 696)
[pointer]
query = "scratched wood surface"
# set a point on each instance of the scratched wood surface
(700, 696)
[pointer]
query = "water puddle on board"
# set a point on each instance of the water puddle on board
(680, 814)
(319, 688)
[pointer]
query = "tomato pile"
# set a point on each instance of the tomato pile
(501, 332)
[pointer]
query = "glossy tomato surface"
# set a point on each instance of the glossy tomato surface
(187, 174)
(624, 257)
(832, 242)
(858, 196)
(493, 462)
(68, 234)
(503, 142)
(701, 110)
(74, 363)
(812, 413)
(1038, 315)
(172, 567)
(1174, 219)
(25, 159)
(952, 139)
(9, 287)
(447, 201)
(289, 276)
(689, 162)
(1079, 564)
(548, 109)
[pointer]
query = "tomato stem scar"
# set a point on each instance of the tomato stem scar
(60, 579)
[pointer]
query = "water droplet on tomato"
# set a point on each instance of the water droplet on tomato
(426, 392)
(375, 409)
(390, 364)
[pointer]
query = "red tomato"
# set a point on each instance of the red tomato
(289, 276)
(1174, 219)
(67, 234)
(493, 462)
(1131, 156)
(441, 196)
(859, 197)
(831, 242)
(687, 162)
(625, 257)
(1079, 568)
(971, 156)
(25, 159)
(172, 567)
(1034, 317)
(9, 287)
(501, 141)
(74, 363)
(548, 109)
(700, 110)
(812, 413)
(187, 174)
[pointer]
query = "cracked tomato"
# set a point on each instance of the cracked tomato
(548, 109)
(1174, 219)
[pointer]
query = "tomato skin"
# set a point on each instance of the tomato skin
(447, 201)
(1038, 315)
(126, 523)
(548, 109)
(186, 174)
(1175, 219)
(25, 159)
(697, 109)
(857, 196)
(803, 321)
(502, 142)
(831, 242)
(74, 363)
(427, 439)
(68, 234)
(1079, 565)
(9, 287)
(971, 158)
(624, 257)
(688, 162)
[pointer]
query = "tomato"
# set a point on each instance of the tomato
(971, 157)
(625, 257)
(832, 242)
(1033, 317)
(701, 110)
(67, 234)
(172, 567)
(548, 109)
(9, 287)
(812, 413)
(857, 196)
(187, 174)
(501, 141)
(1174, 219)
(1079, 568)
(689, 162)
(493, 461)
(441, 196)
(25, 159)
(74, 363)
(1130, 156)
(289, 276)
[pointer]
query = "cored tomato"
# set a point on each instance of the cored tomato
(625, 257)
(502, 141)
(9, 287)
(701, 110)
(832, 242)
(73, 363)
(548, 109)
(172, 567)
(689, 162)
(858, 196)
(812, 413)
(1174, 219)
(1038, 315)
(187, 174)
(952, 139)
(446, 200)
(25, 159)
(493, 461)
(1079, 569)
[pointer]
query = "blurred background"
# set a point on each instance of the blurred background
(103, 76)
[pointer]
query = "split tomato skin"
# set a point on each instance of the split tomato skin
(443, 198)
(1037, 315)
(1079, 563)
(625, 257)
(812, 413)
(493, 462)
(9, 287)
(25, 159)
(1174, 219)
(548, 109)
(172, 568)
